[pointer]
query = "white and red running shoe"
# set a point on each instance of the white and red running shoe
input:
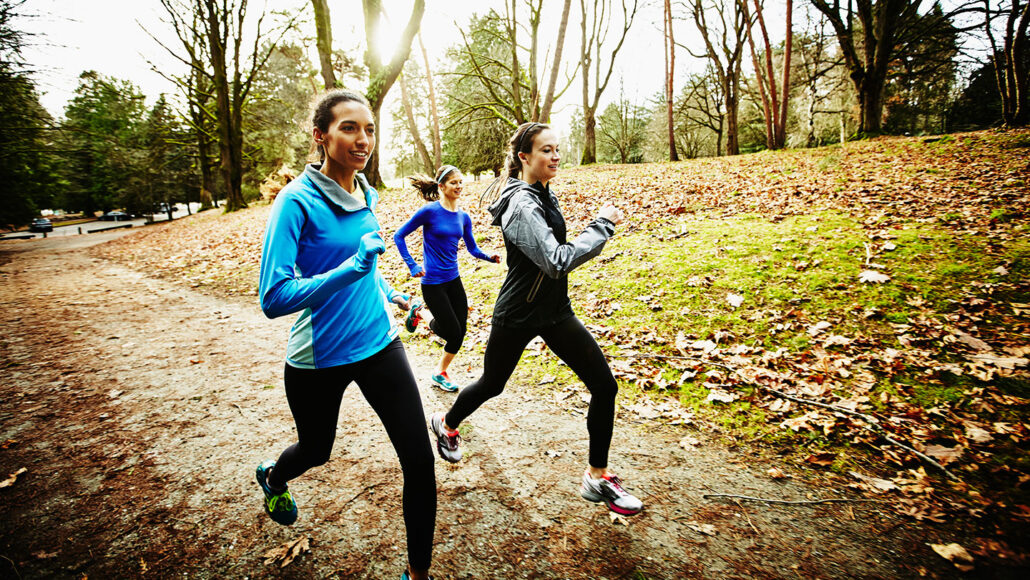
(609, 490)
(446, 441)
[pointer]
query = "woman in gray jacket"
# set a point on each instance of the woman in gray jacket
(534, 301)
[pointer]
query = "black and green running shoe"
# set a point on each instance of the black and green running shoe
(278, 505)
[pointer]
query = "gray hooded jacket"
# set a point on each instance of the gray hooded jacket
(535, 291)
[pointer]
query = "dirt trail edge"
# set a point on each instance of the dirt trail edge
(139, 409)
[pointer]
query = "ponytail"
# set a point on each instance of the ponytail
(428, 187)
(520, 142)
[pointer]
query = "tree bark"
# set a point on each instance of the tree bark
(545, 110)
(880, 21)
(427, 162)
(382, 76)
(324, 42)
(590, 56)
(433, 109)
(670, 70)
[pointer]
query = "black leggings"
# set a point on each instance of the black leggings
(386, 381)
(572, 342)
(450, 308)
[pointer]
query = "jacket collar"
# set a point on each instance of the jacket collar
(339, 196)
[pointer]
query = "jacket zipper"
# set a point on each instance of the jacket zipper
(535, 288)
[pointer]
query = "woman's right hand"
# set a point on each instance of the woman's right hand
(369, 247)
(418, 273)
(611, 213)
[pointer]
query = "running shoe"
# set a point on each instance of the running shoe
(446, 441)
(406, 576)
(279, 506)
(444, 382)
(414, 316)
(609, 490)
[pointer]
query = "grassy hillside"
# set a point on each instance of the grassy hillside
(886, 280)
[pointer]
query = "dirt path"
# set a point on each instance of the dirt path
(140, 408)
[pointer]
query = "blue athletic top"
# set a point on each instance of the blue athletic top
(441, 230)
(309, 265)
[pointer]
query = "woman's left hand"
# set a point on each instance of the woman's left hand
(496, 259)
(402, 301)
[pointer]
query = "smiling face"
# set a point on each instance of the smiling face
(452, 186)
(349, 139)
(541, 163)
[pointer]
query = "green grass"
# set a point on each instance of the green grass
(791, 273)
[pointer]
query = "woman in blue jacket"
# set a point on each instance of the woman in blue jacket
(320, 260)
(534, 301)
(443, 224)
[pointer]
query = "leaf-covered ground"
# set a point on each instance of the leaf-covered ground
(862, 309)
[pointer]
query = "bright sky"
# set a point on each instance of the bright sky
(109, 36)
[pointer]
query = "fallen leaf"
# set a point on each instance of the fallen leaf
(818, 328)
(944, 455)
(689, 443)
(735, 300)
(873, 277)
(978, 434)
(874, 483)
(955, 554)
(547, 379)
(821, 459)
(706, 529)
(617, 519)
(776, 473)
(1002, 362)
(12, 478)
(286, 553)
(721, 396)
(972, 341)
(1001, 271)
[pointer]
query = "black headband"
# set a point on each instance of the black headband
(518, 148)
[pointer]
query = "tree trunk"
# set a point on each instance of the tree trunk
(589, 137)
(545, 110)
(870, 100)
(381, 77)
(324, 42)
(732, 137)
(427, 163)
(434, 110)
(670, 70)
(788, 42)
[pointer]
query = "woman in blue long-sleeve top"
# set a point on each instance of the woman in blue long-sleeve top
(320, 260)
(443, 224)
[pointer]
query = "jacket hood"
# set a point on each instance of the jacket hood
(498, 207)
(339, 196)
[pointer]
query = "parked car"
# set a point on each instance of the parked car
(41, 225)
(115, 216)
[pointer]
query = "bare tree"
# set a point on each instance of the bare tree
(1009, 61)
(702, 104)
(230, 72)
(820, 77)
(381, 76)
(591, 59)
(409, 113)
(324, 42)
(774, 102)
(491, 57)
(724, 48)
(545, 110)
(670, 69)
(434, 110)
(869, 49)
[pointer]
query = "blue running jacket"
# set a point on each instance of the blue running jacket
(308, 266)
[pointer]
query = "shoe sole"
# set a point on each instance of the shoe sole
(445, 389)
(593, 497)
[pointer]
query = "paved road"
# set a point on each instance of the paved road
(92, 226)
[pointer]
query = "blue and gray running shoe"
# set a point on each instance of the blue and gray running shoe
(444, 382)
(278, 505)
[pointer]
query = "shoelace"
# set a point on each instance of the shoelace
(616, 484)
(285, 499)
